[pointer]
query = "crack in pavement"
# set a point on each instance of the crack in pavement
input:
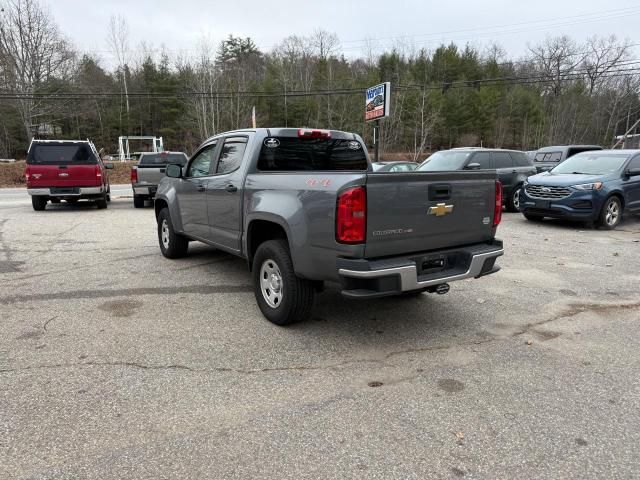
(574, 309)
(330, 366)
(125, 292)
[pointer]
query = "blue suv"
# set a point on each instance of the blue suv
(594, 186)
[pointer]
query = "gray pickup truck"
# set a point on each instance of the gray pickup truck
(146, 175)
(305, 207)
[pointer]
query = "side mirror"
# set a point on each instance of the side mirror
(632, 172)
(174, 170)
(473, 166)
(108, 166)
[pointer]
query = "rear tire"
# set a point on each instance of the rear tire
(138, 201)
(533, 218)
(611, 213)
(172, 244)
(283, 298)
(513, 202)
(101, 203)
(39, 202)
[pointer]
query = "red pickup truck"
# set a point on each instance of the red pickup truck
(68, 170)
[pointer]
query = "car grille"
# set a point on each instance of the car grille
(549, 193)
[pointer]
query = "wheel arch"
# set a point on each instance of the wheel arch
(262, 229)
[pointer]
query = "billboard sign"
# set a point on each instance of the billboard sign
(377, 101)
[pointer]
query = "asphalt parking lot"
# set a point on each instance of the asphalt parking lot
(118, 363)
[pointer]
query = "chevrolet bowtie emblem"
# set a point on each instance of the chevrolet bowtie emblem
(440, 210)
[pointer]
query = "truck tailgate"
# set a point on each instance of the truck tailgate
(151, 174)
(52, 175)
(417, 212)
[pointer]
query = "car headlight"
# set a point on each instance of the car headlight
(589, 186)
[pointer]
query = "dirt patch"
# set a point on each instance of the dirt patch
(120, 308)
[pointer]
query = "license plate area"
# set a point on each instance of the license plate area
(65, 190)
(545, 204)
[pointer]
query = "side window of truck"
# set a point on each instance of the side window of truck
(201, 163)
(231, 154)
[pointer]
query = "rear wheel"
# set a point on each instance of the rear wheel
(102, 202)
(138, 201)
(611, 213)
(39, 202)
(533, 218)
(283, 298)
(172, 244)
(513, 202)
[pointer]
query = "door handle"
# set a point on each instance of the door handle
(514, 171)
(162, 170)
(231, 188)
(200, 188)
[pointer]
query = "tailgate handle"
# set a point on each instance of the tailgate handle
(62, 166)
(440, 191)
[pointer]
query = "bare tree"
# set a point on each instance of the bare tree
(603, 55)
(118, 39)
(32, 53)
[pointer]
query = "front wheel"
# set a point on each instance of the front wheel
(513, 202)
(172, 244)
(39, 202)
(283, 298)
(611, 213)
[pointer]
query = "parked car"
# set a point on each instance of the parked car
(513, 167)
(69, 170)
(146, 175)
(394, 166)
(547, 158)
(303, 208)
(595, 186)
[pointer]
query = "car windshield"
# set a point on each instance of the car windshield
(591, 164)
(443, 161)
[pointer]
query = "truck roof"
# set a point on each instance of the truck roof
(284, 132)
(556, 148)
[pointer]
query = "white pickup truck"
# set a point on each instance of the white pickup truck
(146, 175)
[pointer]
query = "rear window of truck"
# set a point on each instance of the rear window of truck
(292, 154)
(61, 154)
(163, 159)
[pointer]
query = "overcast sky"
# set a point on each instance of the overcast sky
(180, 24)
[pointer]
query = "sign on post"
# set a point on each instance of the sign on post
(377, 100)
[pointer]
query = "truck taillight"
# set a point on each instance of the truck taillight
(351, 216)
(497, 212)
(312, 133)
(134, 175)
(27, 174)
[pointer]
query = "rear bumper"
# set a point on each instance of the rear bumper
(145, 190)
(392, 276)
(66, 192)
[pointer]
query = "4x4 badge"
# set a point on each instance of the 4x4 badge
(440, 209)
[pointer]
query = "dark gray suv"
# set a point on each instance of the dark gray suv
(512, 166)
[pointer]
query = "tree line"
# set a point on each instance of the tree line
(560, 92)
